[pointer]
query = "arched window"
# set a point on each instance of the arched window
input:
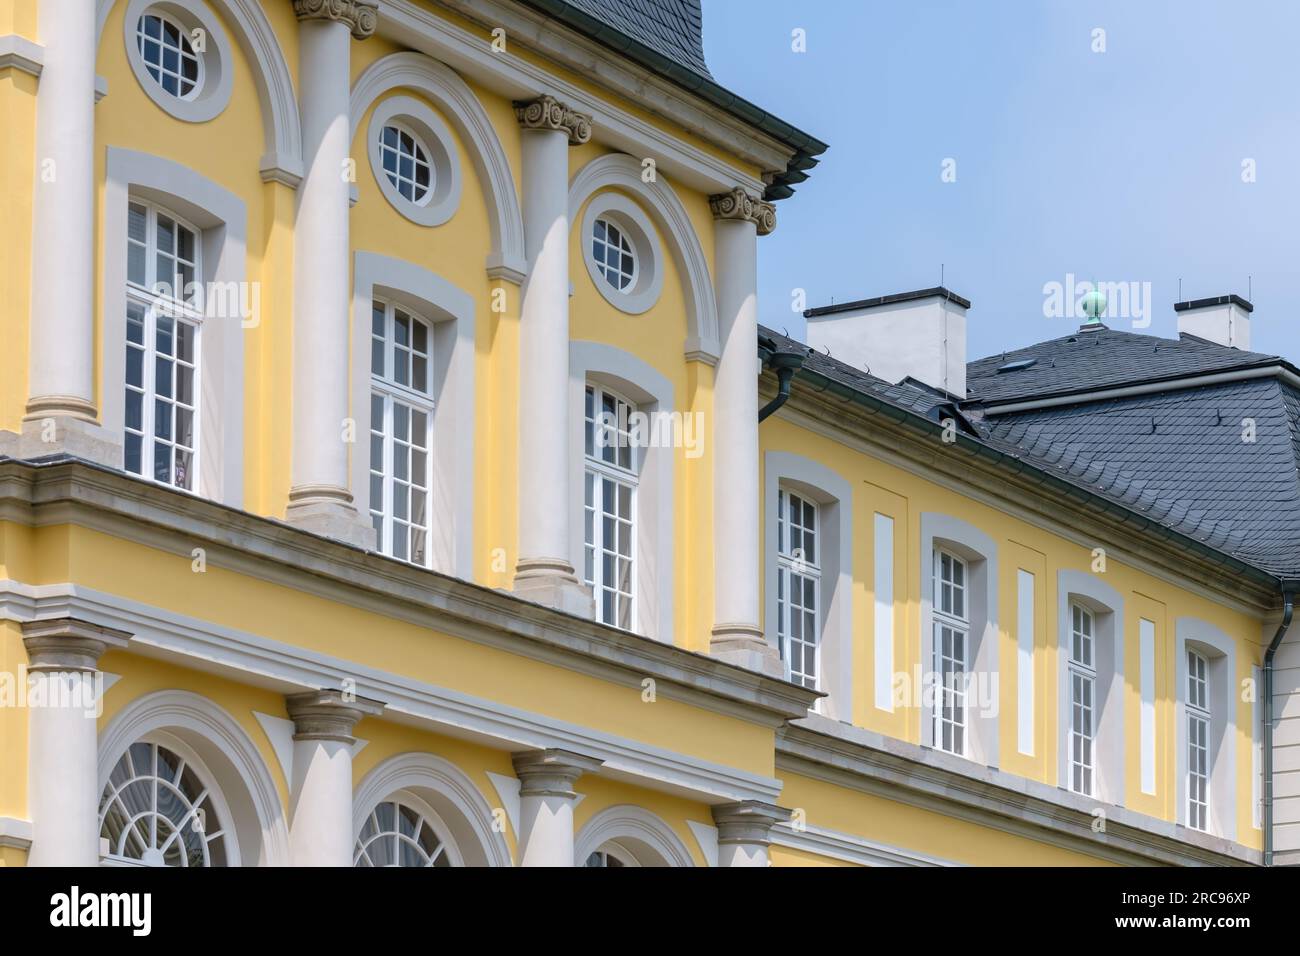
(798, 587)
(610, 855)
(401, 422)
(404, 831)
(609, 506)
(162, 808)
(951, 651)
(164, 318)
(1083, 693)
(1198, 737)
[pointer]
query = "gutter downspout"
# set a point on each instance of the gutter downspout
(785, 364)
(1288, 608)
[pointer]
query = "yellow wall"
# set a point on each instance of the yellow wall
(884, 488)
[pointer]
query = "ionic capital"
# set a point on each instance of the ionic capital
(740, 206)
(551, 773)
(359, 16)
(546, 112)
(748, 822)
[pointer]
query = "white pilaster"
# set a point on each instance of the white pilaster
(543, 572)
(320, 499)
(737, 634)
(745, 831)
(61, 409)
(320, 803)
(546, 802)
(63, 698)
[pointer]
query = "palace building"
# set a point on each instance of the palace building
(394, 471)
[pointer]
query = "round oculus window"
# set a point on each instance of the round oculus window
(169, 56)
(406, 163)
(613, 254)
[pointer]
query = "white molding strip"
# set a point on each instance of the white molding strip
(1147, 683)
(853, 849)
(883, 636)
(1025, 662)
(205, 646)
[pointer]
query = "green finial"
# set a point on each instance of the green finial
(1094, 306)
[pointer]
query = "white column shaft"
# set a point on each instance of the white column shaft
(62, 361)
(321, 268)
(63, 786)
(742, 854)
(544, 353)
(546, 830)
(735, 430)
(321, 830)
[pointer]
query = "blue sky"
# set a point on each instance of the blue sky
(1124, 166)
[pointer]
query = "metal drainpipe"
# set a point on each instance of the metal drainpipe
(785, 364)
(1288, 608)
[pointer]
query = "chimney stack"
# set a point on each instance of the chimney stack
(1224, 319)
(921, 335)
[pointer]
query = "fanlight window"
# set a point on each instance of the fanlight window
(160, 810)
(397, 834)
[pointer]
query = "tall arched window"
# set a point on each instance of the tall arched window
(951, 648)
(1198, 738)
(162, 808)
(404, 831)
(798, 587)
(164, 318)
(609, 506)
(1083, 694)
(401, 423)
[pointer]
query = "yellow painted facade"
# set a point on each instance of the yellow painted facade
(46, 552)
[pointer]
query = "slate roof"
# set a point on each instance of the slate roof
(1086, 361)
(1179, 458)
(667, 36)
(672, 28)
(1182, 458)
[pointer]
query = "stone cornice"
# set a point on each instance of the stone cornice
(69, 491)
(66, 644)
(740, 206)
(359, 16)
(551, 773)
(918, 776)
(547, 113)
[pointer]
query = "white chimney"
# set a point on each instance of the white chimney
(1224, 319)
(918, 334)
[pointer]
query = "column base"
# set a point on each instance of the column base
(745, 646)
(61, 433)
(329, 512)
(552, 583)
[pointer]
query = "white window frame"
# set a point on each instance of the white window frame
(951, 692)
(421, 155)
(390, 392)
(152, 298)
(416, 118)
(795, 564)
(597, 475)
(614, 277)
(979, 551)
(1221, 718)
(1082, 732)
